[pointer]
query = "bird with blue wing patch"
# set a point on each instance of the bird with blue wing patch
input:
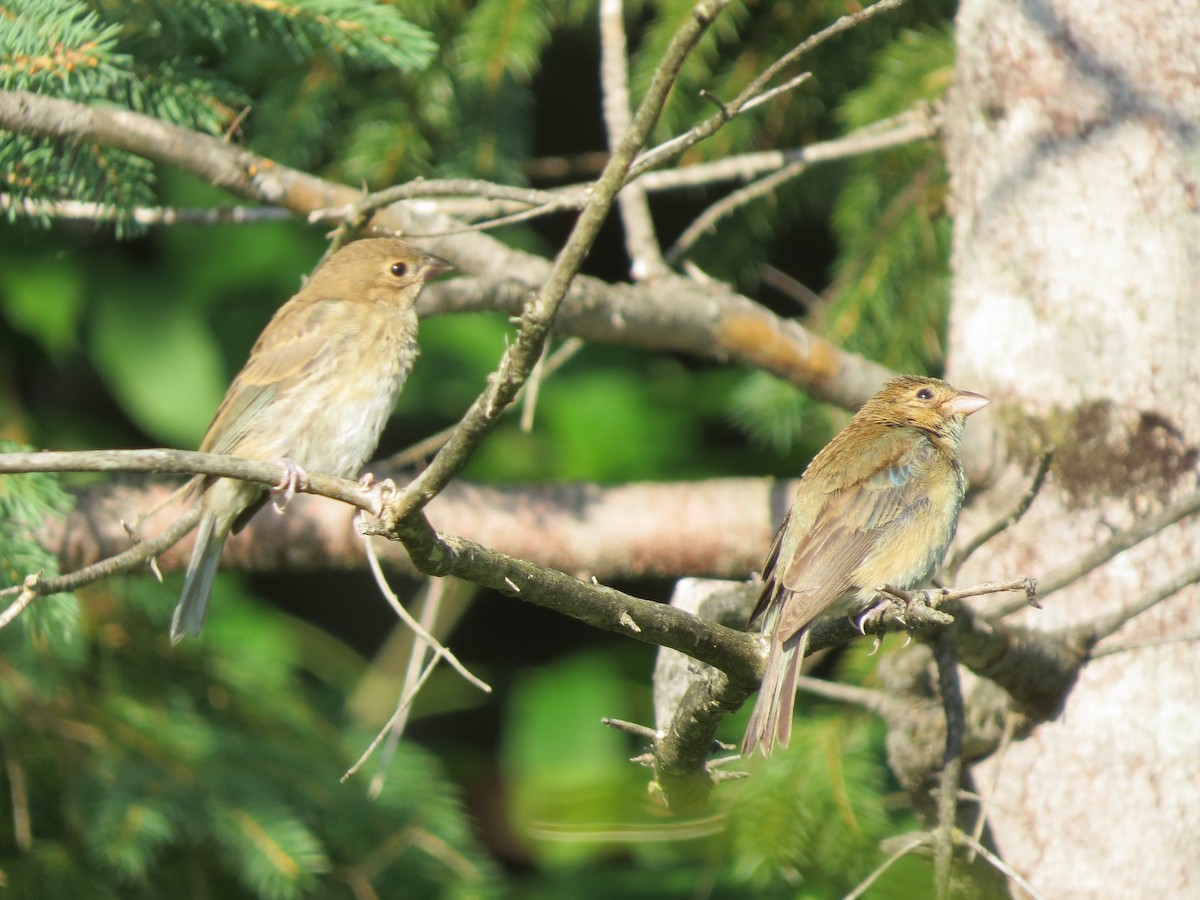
(878, 505)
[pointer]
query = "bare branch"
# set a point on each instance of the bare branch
(682, 773)
(914, 125)
(1118, 543)
(717, 324)
(877, 702)
(1097, 629)
(946, 654)
(910, 127)
(138, 555)
(653, 158)
(81, 211)
(186, 462)
(642, 731)
(448, 187)
(641, 244)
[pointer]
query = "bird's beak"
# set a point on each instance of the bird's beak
(435, 266)
(964, 403)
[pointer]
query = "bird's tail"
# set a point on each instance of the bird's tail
(771, 718)
(197, 584)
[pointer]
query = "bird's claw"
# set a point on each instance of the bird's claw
(873, 618)
(293, 479)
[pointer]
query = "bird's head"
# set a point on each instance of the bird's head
(929, 404)
(376, 269)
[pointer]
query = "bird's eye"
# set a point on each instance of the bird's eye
(924, 394)
(399, 269)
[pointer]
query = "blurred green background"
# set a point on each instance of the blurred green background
(133, 769)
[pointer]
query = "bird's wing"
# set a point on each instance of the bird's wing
(814, 568)
(286, 351)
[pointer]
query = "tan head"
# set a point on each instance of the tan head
(376, 269)
(920, 402)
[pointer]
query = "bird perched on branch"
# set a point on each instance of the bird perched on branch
(877, 506)
(315, 393)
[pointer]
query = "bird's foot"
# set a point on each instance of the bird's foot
(382, 491)
(908, 609)
(293, 479)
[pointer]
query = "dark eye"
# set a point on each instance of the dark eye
(399, 269)
(924, 394)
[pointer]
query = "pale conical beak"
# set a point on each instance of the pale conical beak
(435, 266)
(964, 403)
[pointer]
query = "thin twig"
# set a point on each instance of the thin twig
(985, 797)
(1099, 628)
(907, 847)
(138, 555)
(878, 702)
(1000, 866)
(448, 187)
(911, 126)
(1103, 552)
(1005, 522)
(729, 204)
(641, 244)
(401, 710)
(187, 462)
(653, 158)
(18, 791)
(406, 617)
(426, 447)
(1127, 646)
(430, 603)
(935, 597)
(645, 732)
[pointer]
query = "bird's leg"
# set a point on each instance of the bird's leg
(293, 479)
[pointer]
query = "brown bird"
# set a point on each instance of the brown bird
(315, 393)
(877, 506)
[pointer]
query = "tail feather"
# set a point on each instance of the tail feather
(197, 584)
(771, 719)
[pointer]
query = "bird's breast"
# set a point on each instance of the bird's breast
(331, 421)
(911, 548)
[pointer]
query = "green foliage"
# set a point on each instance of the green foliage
(194, 63)
(772, 411)
(812, 815)
(212, 766)
(567, 771)
(891, 294)
(47, 629)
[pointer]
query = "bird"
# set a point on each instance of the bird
(318, 386)
(878, 505)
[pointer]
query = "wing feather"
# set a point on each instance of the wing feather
(809, 568)
(288, 350)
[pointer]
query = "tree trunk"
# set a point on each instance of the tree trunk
(1074, 144)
